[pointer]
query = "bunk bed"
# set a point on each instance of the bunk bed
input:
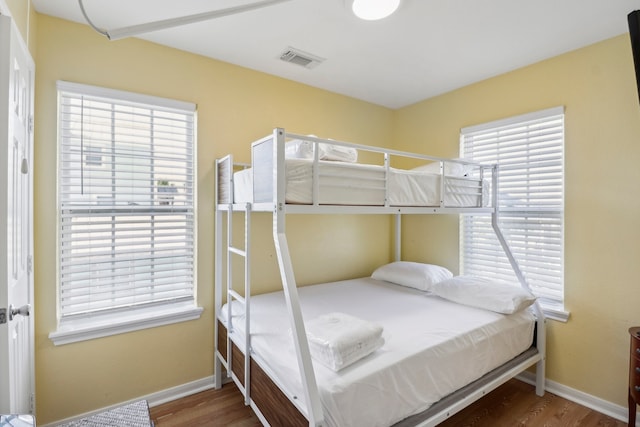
(427, 344)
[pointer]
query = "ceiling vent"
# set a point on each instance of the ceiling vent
(298, 57)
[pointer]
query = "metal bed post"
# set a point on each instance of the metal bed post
(217, 369)
(398, 237)
(442, 183)
(387, 166)
(397, 221)
(315, 180)
(229, 287)
(247, 300)
(540, 317)
(303, 355)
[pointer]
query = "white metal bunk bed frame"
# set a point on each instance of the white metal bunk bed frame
(271, 149)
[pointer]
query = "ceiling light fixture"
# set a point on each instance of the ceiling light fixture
(372, 10)
(135, 30)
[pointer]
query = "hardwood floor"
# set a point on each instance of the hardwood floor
(513, 404)
(516, 404)
(224, 407)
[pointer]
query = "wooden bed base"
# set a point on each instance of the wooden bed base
(274, 406)
(272, 403)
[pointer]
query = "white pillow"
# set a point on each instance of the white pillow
(412, 274)
(484, 293)
(298, 149)
(450, 168)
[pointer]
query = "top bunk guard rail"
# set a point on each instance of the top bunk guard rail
(269, 186)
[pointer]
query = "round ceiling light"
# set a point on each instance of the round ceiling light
(372, 10)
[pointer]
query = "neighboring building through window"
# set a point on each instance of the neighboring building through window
(126, 208)
(529, 151)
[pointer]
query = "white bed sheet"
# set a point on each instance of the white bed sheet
(413, 188)
(432, 348)
(340, 183)
(344, 183)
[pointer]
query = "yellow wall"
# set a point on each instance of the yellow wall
(602, 218)
(235, 107)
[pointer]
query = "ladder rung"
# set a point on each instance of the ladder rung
(237, 251)
(236, 295)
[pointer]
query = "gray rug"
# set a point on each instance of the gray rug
(17, 421)
(134, 414)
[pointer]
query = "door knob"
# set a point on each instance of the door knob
(23, 311)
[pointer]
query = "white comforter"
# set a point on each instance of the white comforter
(432, 348)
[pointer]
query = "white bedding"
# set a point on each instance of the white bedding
(432, 348)
(299, 149)
(344, 183)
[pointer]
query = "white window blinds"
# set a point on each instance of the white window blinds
(529, 150)
(125, 199)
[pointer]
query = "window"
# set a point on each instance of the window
(126, 208)
(93, 156)
(529, 150)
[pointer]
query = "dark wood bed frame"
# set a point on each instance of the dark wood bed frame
(273, 404)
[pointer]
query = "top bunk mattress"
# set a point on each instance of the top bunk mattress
(342, 183)
(432, 348)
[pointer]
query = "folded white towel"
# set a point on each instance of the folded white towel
(337, 340)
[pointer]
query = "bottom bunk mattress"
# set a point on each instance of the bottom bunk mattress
(432, 347)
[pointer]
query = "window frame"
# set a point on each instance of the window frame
(116, 320)
(550, 212)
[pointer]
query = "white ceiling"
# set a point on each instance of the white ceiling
(428, 47)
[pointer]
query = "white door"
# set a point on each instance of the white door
(16, 222)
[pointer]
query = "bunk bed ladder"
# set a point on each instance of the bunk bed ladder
(315, 414)
(224, 205)
(234, 297)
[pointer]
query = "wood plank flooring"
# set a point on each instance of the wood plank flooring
(224, 407)
(516, 404)
(513, 404)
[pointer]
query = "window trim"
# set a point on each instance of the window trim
(81, 328)
(555, 310)
(77, 330)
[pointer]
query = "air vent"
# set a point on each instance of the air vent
(298, 57)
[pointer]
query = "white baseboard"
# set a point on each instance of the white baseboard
(615, 411)
(180, 391)
(154, 399)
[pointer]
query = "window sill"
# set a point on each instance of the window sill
(555, 313)
(70, 331)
